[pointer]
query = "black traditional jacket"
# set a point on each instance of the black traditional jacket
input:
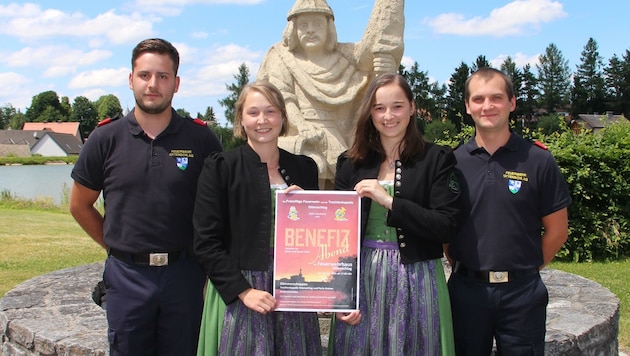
(425, 209)
(233, 214)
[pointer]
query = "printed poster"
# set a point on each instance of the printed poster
(316, 251)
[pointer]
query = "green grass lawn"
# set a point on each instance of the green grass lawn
(35, 241)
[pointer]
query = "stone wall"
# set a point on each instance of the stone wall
(54, 314)
(15, 150)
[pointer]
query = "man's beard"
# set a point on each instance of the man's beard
(157, 109)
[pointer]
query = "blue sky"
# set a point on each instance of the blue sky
(78, 47)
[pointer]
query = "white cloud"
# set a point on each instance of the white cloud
(16, 80)
(93, 94)
(520, 59)
(191, 2)
(16, 10)
(100, 78)
(29, 22)
(174, 7)
(231, 52)
(15, 94)
(407, 61)
(516, 18)
(53, 56)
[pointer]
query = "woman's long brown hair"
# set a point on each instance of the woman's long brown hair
(367, 138)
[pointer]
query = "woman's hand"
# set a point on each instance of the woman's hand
(370, 188)
(292, 188)
(258, 300)
(352, 318)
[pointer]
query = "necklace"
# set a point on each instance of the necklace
(390, 163)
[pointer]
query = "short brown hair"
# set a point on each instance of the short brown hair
(156, 45)
(487, 73)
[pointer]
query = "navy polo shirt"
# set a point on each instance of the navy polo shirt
(148, 185)
(504, 198)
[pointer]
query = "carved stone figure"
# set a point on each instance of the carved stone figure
(323, 80)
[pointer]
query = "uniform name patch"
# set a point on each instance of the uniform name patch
(181, 157)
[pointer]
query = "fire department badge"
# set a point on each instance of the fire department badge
(514, 185)
(182, 163)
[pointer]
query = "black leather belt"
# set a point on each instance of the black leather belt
(148, 259)
(493, 276)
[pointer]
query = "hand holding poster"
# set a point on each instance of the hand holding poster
(316, 251)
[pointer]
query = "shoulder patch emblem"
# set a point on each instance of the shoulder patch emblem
(198, 121)
(453, 182)
(108, 120)
(541, 145)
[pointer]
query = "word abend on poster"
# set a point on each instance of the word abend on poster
(316, 251)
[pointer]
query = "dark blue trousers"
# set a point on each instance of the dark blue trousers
(154, 310)
(513, 313)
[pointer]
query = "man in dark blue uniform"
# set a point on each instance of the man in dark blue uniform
(146, 165)
(515, 220)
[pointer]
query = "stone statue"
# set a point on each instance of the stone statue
(323, 81)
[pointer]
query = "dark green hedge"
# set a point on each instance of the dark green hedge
(597, 169)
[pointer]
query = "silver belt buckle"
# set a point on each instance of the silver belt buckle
(158, 259)
(498, 277)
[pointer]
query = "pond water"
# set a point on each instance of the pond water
(37, 181)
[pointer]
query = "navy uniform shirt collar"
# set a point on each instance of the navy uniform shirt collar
(472, 148)
(173, 126)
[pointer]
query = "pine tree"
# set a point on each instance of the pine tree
(588, 93)
(455, 97)
(554, 80)
(529, 93)
(242, 79)
(509, 68)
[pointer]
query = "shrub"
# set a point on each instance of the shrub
(597, 170)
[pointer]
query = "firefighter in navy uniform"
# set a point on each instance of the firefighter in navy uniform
(514, 205)
(146, 166)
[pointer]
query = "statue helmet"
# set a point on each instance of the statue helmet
(310, 6)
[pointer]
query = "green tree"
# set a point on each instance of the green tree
(455, 97)
(588, 92)
(17, 120)
(84, 112)
(45, 107)
(529, 95)
(480, 62)
(439, 130)
(183, 113)
(618, 84)
(419, 83)
(6, 112)
(509, 67)
(66, 108)
(625, 105)
(226, 137)
(554, 80)
(210, 116)
(108, 106)
(615, 82)
(550, 124)
(242, 79)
